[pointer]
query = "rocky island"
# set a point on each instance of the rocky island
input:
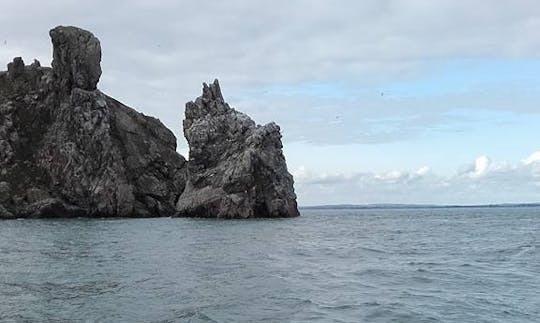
(69, 150)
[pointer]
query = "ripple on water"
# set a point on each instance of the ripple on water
(444, 265)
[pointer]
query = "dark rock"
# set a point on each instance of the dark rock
(35, 195)
(5, 214)
(35, 65)
(236, 168)
(50, 208)
(5, 192)
(16, 68)
(67, 149)
(76, 58)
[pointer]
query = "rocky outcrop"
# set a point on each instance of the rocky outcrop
(67, 149)
(236, 168)
(76, 58)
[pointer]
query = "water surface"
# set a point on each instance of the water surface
(410, 265)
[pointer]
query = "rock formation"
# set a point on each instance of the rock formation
(236, 169)
(67, 149)
(76, 58)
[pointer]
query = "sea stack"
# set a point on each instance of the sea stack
(68, 150)
(236, 169)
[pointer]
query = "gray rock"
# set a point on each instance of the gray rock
(16, 68)
(236, 168)
(77, 57)
(35, 195)
(50, 208)
(5, 214)
(5, 192)
(67, 149)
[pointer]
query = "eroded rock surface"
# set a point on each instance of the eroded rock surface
(67, 149)
(76, 58)
(236, 168)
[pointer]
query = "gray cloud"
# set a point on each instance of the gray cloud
(156, 55)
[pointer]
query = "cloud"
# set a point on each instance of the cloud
(155, 56)
(353, 72)
(533, 158)
(479, 167)
(486, 182)
(422, 171)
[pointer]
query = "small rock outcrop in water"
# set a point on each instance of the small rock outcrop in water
(236, 168)
(67, 149)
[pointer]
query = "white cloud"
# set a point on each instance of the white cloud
(300, 172)
(392, 176)
(486, 182)
(481, 165)
(422, 171)
(533, 158)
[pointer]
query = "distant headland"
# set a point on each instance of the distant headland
(412, 206)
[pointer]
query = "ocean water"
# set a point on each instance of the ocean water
(409, 265)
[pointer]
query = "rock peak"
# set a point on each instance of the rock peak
(66, 149)
(212, 92)
(236, 168)
(16, 67)
(76, 58)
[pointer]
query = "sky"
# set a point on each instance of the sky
(379, 101)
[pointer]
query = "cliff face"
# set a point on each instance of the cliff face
(236, 168)
(67, 149)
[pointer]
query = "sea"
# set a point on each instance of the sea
(329, 265)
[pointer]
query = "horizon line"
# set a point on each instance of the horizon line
(413, 205)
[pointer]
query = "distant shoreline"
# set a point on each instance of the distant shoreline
(412, 206)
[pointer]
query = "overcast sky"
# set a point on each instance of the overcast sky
(378, 101)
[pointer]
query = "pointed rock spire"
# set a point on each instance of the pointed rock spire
(236, 168)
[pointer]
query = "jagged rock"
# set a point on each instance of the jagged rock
(5, 214)
(5, 192)
(16, 68)
(76, 58)
(236, 168)
(67, 149)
